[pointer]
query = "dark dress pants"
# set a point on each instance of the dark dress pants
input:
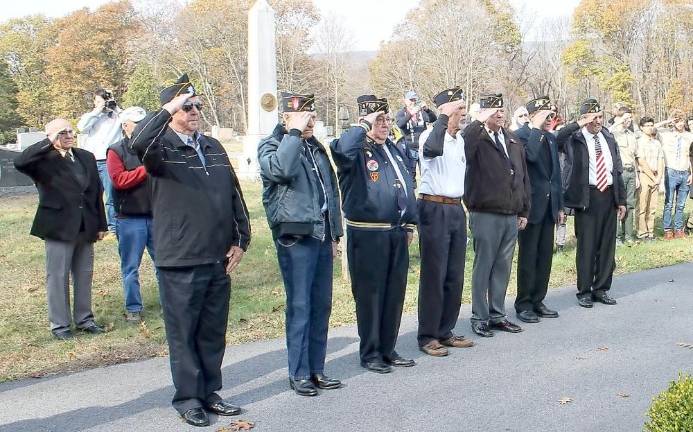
(195, 302)
(443, 245)
(595, 229)
(378, 265)
(306, 266)
(535, 253)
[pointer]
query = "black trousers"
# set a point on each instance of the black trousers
(595, 229)
(443, 245)
(195, 301)
(534, 257)
(378, 264)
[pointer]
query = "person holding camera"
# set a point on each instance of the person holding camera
(301, 199)
(70, 218)
(412, 120)
(102, 126)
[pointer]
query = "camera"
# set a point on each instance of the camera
(111, 103)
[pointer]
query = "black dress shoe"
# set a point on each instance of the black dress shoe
(506, 326)
(544, 312)
(324, 382)
(303, 387)
(196, 417)
(528, 316)
(482, 329)
(92, 328)
(62, 334)
(377, 366)
(603, 298)
(223, 409)
(585, 302)
(397, 360)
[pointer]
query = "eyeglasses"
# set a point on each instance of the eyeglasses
(67, 132)
(189, 106)
(524, 115)
(383, 120)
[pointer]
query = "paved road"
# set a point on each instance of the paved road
(507, 383)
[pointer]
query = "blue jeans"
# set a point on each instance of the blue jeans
(134, 234)
(108, 194)
(306, 266)
(676, 186)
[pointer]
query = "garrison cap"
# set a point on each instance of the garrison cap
(491, 101)
(411, 94)
(538, 104)
(449, 95)
(590, 106)
(370, 104)
(181, 86)
(294, 102)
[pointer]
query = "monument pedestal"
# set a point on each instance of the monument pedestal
(248, 167)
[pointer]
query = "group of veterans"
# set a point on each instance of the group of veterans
(175, 193)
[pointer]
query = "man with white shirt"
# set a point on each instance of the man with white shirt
(103, 128)
(442, 227)
(497, 195)
(595, 189)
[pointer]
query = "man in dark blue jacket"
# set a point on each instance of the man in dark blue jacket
(301, 199)
(201, 231)
(380, 207)
(536, 240)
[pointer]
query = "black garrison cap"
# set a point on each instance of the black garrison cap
(181, 86)
(294, 102)
(491, 101)
(538, 104)
(370, 104)
(590, 106)
(449, 95)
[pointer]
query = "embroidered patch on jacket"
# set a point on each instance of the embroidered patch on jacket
(375, 175)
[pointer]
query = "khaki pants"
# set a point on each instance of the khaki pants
(647, 206)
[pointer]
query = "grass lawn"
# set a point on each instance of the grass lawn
(257, 299)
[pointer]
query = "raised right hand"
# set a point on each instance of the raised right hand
(586, 118)
(450, 107)
(372, 117)
(299, 120)
(486, 114)
(176, 103)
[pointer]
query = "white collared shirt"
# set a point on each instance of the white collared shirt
(608, 162)
(501, 138)
(444, 175)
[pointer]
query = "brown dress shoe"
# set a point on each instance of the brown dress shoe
(668, 234)
(435, 349)
(457, 342)
(679, 234)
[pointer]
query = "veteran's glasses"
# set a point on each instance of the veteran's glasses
(67, 132)
(187, 107)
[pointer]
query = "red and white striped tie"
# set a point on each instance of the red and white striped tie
(601, 167)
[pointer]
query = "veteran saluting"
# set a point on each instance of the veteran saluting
(380, 208)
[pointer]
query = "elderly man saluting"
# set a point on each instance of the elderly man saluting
(70, 218)
(201, 230)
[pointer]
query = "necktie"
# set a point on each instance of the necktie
(70, 157)
(499, 146)
(601, 167)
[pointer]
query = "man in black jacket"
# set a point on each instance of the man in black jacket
(70, 218)
(497, 194)
(536, 240)
(380, 207)
(201, 230)
(596, 191)
(301, 199)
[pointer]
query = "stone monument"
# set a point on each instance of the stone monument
(262, 86)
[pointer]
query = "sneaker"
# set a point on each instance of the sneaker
(133, 317)
(679, 234)
(668, 234)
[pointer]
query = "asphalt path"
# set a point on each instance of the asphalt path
(604, 363)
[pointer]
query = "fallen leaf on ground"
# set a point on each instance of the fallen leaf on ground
(603, 348)
(685, 345)
(564, 400)
(109, 327)
(670, 280)
(623, 395)
(580, 358)
(236, 426)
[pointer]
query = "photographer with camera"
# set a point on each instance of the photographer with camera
(102, 126)
(413, 119)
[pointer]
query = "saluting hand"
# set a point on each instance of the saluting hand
(586, 119)
(539, 118)
(486, 113)
(177, 103)
(234, 255)
(299, 120)
(372, 117)
(449, 108)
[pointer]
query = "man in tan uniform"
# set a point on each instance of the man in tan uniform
(651, 168)
(627, 146)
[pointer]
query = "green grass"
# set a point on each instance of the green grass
(257, 298)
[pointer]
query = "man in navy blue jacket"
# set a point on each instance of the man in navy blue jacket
(536, 240)
(380, 210)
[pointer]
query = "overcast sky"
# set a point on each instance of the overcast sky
(372, 21)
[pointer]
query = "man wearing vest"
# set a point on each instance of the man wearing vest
(131, 199)
(442, 227)
(380, 207)
(595, 189)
